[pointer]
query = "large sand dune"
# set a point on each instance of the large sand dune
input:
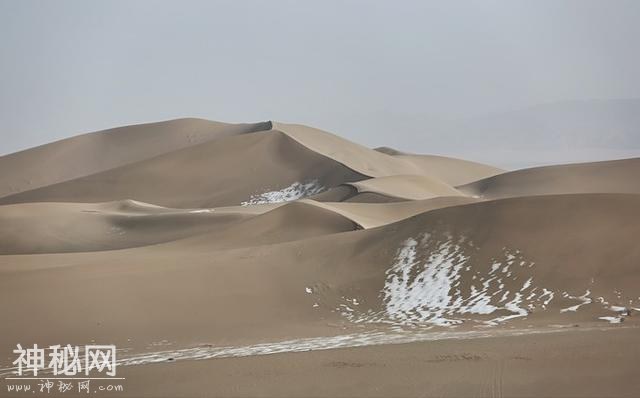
(291, 241)
(616, 176)
(206, 175)
(376, 163)
(94, 152)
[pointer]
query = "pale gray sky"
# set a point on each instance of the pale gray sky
(76, 66)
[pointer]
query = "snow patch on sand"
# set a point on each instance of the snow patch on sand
(612, 319)
(371, 338)
(294, 191)
(423, 286)
(584, 300)
(202, 211)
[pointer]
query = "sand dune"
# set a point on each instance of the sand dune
(521, 258)
(616, 176)
(336, 194)
(371, 215)
(293, 240)
(54, 227)
(94, 152)
(375, 163)
(287, 162)
(411, 187)
(349, 193)
(31, 228)
(357, 157)
(315, 278)
(206, 175)
(450, 170)
(388, 189)
(372, 197)
(286, 223)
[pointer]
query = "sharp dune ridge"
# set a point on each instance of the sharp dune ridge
(269, 237)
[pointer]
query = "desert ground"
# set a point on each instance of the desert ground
(274, 259)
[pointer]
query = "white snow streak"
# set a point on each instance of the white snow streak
(423, 286)
(294, 191)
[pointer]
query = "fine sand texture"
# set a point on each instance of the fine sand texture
(94, 152)
(275, 259)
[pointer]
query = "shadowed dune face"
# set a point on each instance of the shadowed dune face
(95, 152)
(289, 239)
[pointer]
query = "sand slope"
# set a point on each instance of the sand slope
(31, 228)
(450, 170)
(357, 157)
(307, 285)
(487, 367)
(371, 215)
(507, 256)
(349, 193)
(410, 187)
(206, 175)
(290, 222)
(383, 163)
(396, 188)
(287, 161)
(94, 152)
(616, 176)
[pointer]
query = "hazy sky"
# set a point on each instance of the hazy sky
(76, 66)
